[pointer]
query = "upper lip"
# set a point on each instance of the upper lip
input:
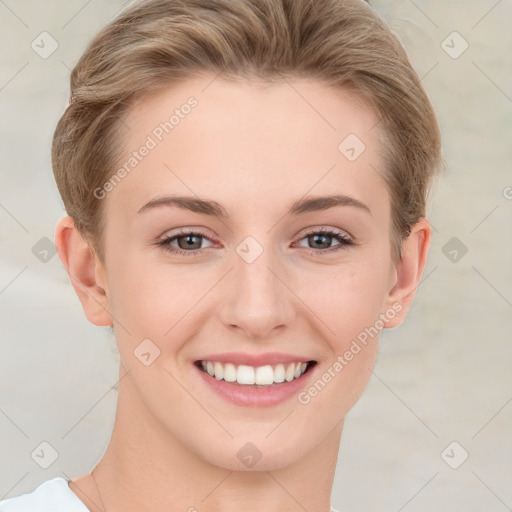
(268, 358)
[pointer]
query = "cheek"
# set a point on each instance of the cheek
(151, 298)
(349, 305)
(348, 299)
(350, 308)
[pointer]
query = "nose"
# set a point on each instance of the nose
(256, 298)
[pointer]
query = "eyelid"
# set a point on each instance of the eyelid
(195, 230)
(327, 230)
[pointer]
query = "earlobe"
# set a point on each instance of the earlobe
(82, 264)
(408, 272)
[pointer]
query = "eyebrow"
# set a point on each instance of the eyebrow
(208, 207)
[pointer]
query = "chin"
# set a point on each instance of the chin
(244, 455)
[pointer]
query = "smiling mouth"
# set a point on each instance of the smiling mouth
(255, 376)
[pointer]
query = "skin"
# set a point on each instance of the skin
(255, 148)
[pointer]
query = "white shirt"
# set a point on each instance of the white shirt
(51, 496)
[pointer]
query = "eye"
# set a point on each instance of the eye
(189, 243)
(322, 239)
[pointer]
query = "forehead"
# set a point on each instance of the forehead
(247, 141)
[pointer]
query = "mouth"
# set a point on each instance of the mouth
(244, 376)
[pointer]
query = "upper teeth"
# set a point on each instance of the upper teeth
(261, 375)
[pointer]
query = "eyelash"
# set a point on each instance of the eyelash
(343, 240)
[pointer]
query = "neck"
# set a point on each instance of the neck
(146, 468)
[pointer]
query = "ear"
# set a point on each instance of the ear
(85, 271)
(407, 273)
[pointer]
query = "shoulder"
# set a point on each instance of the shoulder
(51, 496)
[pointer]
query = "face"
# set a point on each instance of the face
(221, 257)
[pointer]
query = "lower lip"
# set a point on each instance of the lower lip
(252, 396)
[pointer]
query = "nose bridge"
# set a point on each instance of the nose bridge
(258, 301)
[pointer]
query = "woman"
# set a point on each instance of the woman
(245, 183)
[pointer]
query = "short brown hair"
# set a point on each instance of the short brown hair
(155, 43)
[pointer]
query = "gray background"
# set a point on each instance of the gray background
(443, 376)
